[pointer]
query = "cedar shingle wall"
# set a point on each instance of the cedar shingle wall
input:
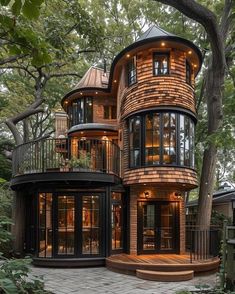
(152, 91)
(173, 176)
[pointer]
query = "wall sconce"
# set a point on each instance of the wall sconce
(178, 196)
(146, 194)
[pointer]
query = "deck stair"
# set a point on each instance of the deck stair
(161, 276)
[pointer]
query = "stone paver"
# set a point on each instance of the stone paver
(100, 281)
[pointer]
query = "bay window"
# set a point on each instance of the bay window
(161, 138)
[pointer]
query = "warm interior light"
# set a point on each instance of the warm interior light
(66, 102)
(163, 44)
(146, 194)
(96, 93)
(195, 65)
(82, 133)
(190, 52)
(90, 104)
(128, 55)
(115, 81)
(80, 93)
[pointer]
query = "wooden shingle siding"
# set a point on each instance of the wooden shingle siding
(175, 176)
(152, 91)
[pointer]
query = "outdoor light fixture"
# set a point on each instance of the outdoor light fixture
(146, 194)
(190, 52)
(128, 55)
(178, 195)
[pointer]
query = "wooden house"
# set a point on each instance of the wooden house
(110, 189)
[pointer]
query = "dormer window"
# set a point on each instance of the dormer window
(160, 63)
(188, 73)
(131, 71)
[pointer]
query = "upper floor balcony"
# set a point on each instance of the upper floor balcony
(68, 157)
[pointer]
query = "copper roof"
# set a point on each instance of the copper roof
(93, 78)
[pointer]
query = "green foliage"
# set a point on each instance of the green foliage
(15, 278)
(218, 218)
(83, 161)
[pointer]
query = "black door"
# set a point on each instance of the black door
(158, 227)
(71, 225)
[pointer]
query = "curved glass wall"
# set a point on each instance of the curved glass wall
(161, 138)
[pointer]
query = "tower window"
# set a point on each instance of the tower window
(160, 64)
(188, 73)
(131, 71)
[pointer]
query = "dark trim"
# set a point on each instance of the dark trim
(69, 262)
(167, 108)
(90, 178)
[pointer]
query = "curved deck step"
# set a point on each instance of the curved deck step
(165, 276)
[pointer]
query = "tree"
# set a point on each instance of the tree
(217, 32)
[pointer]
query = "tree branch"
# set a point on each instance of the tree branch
(12, 59)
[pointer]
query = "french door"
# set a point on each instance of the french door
(70, 225)
(158, 227)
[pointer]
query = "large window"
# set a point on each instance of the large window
(160, 64)
(131, 71)
(161, 138)
(135, 140)
(45, 225)
(80, 111)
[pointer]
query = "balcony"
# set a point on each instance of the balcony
(67, 155)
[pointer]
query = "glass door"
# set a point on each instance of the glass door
(158, 227)
(65, 226)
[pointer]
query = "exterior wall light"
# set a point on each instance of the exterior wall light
(178, 196)
(146, 194)
(190, 52)
(128, 55)
(163, 44)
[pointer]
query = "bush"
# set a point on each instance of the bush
(15, 278)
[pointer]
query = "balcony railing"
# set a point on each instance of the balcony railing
(66, 155)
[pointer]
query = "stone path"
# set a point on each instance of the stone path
(100, 280)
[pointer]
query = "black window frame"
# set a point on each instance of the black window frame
(167, 55)
(187, 162)
(132, 66)
(78, 111)
(188, 73)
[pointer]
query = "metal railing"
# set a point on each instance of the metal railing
(66, 155)
(203, 244)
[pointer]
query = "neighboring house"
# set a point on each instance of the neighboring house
(115, 181)
(222, 203)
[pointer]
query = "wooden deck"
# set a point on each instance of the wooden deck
(128, 264)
